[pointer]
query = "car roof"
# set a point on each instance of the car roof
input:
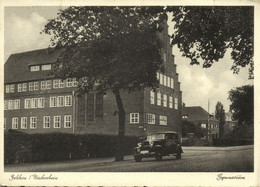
(164, 132)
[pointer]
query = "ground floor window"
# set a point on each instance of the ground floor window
(24, 123)
(150, 118)
(163, 120)
(134, 117)
(33, 122)
(46, 122)
(57, 121)
(67, 121)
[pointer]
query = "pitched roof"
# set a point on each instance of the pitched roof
(196, 113)
(16, 68)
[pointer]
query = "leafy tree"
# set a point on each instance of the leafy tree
(189, 127)
(206, 33)
(114, 48)
(220, 115)
(242, 107)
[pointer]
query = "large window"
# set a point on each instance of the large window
(53, 102)
(27, 103)
(68, 100)
(34, 103)
(57, 122)
(169, 82)
(163, 120)
(165, 100)
(24, 123)
(152, 96)
(41, 102)
(159, 99)
(33, 122)
(60, 101)
(46, 122)
(150, 118)
(15, 123)
(170, 102)
(134, 117)
(67, 121)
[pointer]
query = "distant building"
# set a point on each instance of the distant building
(36, 102)
(202, 118)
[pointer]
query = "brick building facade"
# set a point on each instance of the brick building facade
(35, 102)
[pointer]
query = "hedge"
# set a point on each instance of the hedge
(232, 142)
(21, 147)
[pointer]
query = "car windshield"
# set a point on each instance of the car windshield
(154, 137)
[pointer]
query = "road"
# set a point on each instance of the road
(194, 159)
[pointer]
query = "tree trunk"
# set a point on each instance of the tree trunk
(121, 129)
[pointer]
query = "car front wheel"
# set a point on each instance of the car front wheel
(138, 158)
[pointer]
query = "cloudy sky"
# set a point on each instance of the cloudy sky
(22, 33)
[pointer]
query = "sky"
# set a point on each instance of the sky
(199, 86)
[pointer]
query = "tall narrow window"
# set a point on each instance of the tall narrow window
(169, 82)
(33, 122)
(15, 123)
(43, 85)
(172, 83)
(152, 97)
(20, 87)
(10, 105)
(53, 102)
(36, 85)
(60, 101)
(164, 80)
(24, 87)
(31, 86)
(159, 99)
(46, 122)
(170, 102)
(175, 102)
(69, 82)
(41, 102)
(74, 82)
(34, 103)
(90, 107)
(164, 56)
(165, 100)
(68, 100)
(57, 122)
(24, 123)
(48, 84)
(158, 76)
(12, 88)
(56, 83)
(17, 104)
(7, 89)
(6, 105)
(134, 117)
(99, 105)
(61, 83)
(67, 121)
(161, 79)
(4, 123)
(27, 103)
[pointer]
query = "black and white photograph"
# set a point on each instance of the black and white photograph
(129, 94)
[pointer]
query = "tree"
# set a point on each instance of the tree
(242, 107)
(220, 115)
(206, 33)
(189, 127)
(113, 48)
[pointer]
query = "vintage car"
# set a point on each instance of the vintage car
(158, 145)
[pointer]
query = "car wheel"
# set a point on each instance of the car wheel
(178, 156)
(138, 158)
(158, 157)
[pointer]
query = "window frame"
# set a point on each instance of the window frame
(150, 118)
(68, 100)
(66, 121)
(31, 86)
(60, 101)
(19, 87)
(15, 119)
(41, 102)
(53, 101)
(33, 122)
(36, 85)
(159, 99)
(134, 118)
(23, 122)
(152, 97)
(27, 103)
(46, 122)
(165, 100)
(55, 121)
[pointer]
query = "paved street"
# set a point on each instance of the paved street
(194, 159)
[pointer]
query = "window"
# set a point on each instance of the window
(69, 82)
(164, 56)
(36, 85)
(24, 87)
(7, 88)
(74, 82)
(204, 125)
(176, 102)
(14, 123)
(52, 101)
(27, 103)
(158, 76)
(41, 102)
(61, 83)
(57, 122)
(20, 87)
(67, 121)
(170, 102)
(60, 101)
(172, 83)
(152, 97)
(35, 68)
(164, 80)
(10, 105)
(46, 67)
(212, 126)
(165, 100)
(48, 84)
(43, 85)
(169, 82)
(159, 98)
(56, 83)
(12, 88)
(6, 105)
(4, 123)
(163, 120)
(34, 103)
(30, 86)
(68, 100)
(24, 123)
(17, 104)
(150, 118)
(46, 122)
(33, 122)
(134, 117)
(161, 79)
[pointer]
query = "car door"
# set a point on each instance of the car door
(170, 144)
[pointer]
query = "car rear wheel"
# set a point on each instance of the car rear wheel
(158, 157)
(178, 156)
(138, 158)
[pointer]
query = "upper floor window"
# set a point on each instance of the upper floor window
(35, 68)
(61, 83)
(184, 116)
(27, 103)
(34, 103)
(41, 102)
(17, 104)
(165, 100)
(204, 125)
(67, 121)
(33, 122)
(164, 56)
(46, 122)
(20, 87)
(48, 84)
(60, 101)
(69, 82)
(10, 104)
(175, 103)
(159, 99)
(31, 86)
(7, 89)
(6, 105)
(36, 85)
(170, 102)
(46, 67)
(12, 88)
(57, 121)
(164, 80)
(172, 83)
(24, 87)
(43, 85)
(163, 120)
(152, 97)
(158, 76)
(24, 123)
(150, 118)
(74, 82)
(134, 117)
(56, 83)
(161, 79)
(68, 100)
(53, 102)
(169, 82)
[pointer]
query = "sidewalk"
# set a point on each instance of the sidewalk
(208, 148)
